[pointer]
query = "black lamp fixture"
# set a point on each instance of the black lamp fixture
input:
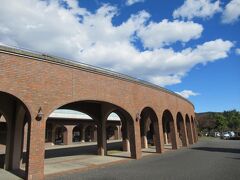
(138, 117)
(40, 114)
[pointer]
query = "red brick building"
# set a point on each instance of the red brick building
(32, 86)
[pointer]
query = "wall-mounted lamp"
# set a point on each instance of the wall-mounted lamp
(138, 117)
(39, 115)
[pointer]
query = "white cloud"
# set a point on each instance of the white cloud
(231, 12)
(79, 34)
(157, 35)
(237, 51)
(131, 2)
(187, 93)
(197, 8)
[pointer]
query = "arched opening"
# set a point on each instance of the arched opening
(76, 134)
(91, 133)
(119, 131)
(3, 139)
(61, 135)
(111, 132)
(87, 130)
(169, 130)
(182, 138)
(66, 123)
(189, 130)
(149, 129)
(14, 120)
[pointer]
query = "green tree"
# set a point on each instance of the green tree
(221, 122)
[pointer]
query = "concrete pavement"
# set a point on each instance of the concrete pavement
(208, 159)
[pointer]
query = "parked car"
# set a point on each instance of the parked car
(214, 134)
(225, 135)
(236, 135)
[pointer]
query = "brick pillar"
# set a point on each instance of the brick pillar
(165, 137)
(189, 132)
(156, 136)
(184, 134)
(82, 133)
(54, 127)
(144, 142)
(194, 131)
(135, 137)
(173, 130)
(125, 141)
(161, 134)
(101, 135)
(67, 135)
(35, 149)
(116, 133)
(94, 137)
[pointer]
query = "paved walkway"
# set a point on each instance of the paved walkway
(61, 159)
(81, 157)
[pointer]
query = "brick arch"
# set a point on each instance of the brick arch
(181, 129)
(17, 100)
(17, 114)
(169, 128)
(60, 105)
(62, 131)
(127, 129)
(78, 129)
(149, 120)
(91, 129)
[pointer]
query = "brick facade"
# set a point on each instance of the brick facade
(32, 81)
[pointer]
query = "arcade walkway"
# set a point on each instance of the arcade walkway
(81, 157)
(62, 159)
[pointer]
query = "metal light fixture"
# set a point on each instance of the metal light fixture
(138, 117)
(39, 115)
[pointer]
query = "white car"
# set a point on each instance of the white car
(225, 135)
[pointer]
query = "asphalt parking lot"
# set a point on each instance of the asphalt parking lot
(209, 159)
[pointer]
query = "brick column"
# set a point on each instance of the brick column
(173, 130)
(125, 141)
(194, 131)
(94, 137)
(54, 127)
(35, 149)
(101, 133)
(189, 132)
(135, 137)
(161, 134)
(184, 134)
(82, 133)
(144, 142)
(67, 137)
(116, 133)
(101, 139)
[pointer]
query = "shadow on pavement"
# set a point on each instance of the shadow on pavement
(82, 150)
(211, 149)
(233, 158)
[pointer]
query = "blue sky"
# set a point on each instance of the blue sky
(191, 47)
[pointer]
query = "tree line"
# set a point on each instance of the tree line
(220, 121)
